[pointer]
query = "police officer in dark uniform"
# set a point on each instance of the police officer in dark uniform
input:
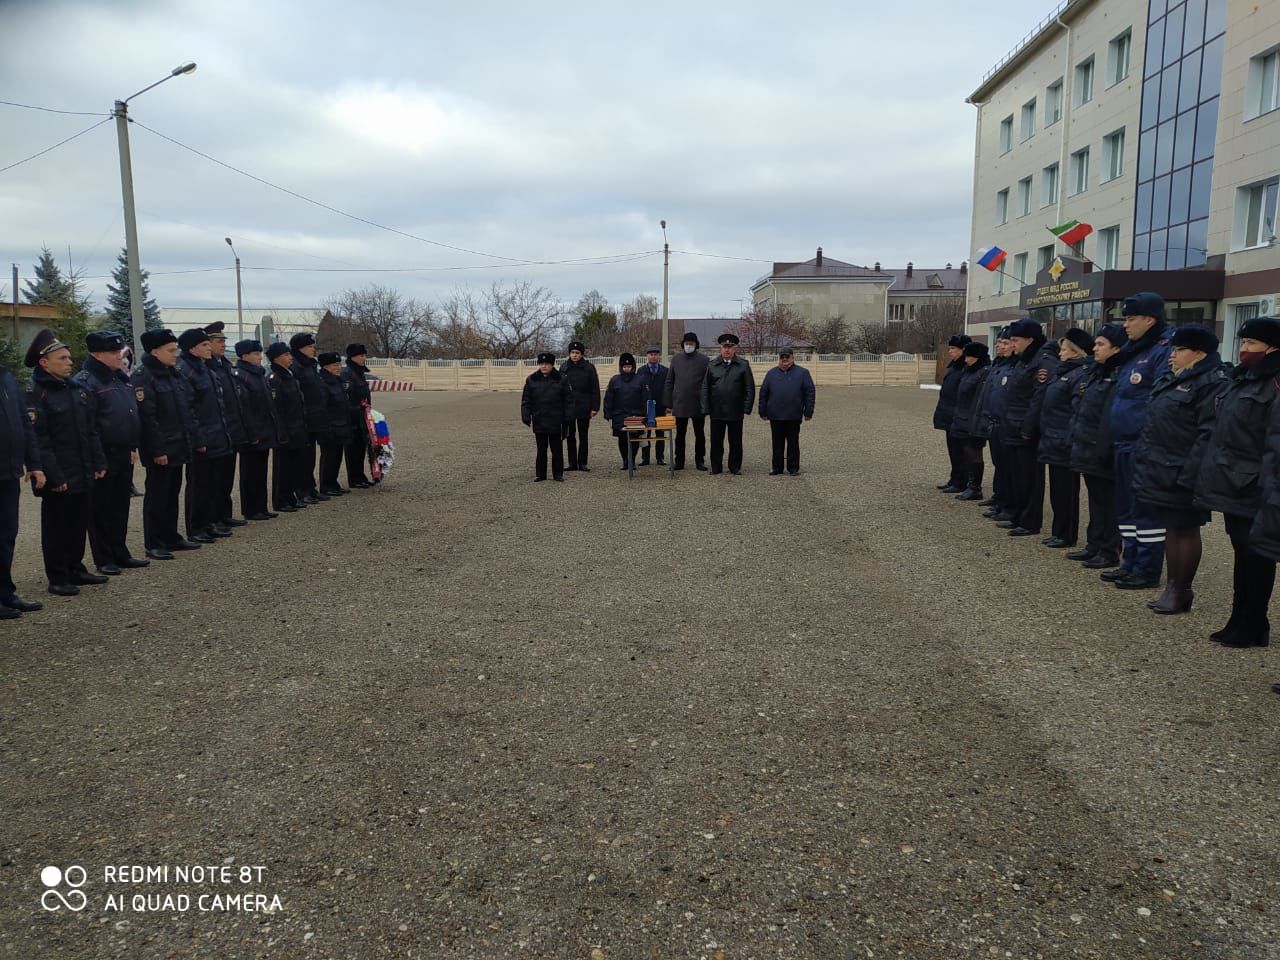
(965, 426)
(21, 458)
(168, 430)
(585, 383)
(224, 467)
(1054, 450)
(355, 376)
(306, 371)
(71, 455)
(262, 432)
(653, 380)
(116, 410)
(291, 453)
(728, 394)
(1145, 359)
(1092, 455)
(337, 433)
(1230, 478)
(1020, 431)
(989, 423)
(546, 405)
(944, 410)
(212, 441)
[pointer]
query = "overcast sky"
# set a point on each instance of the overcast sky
(529, 131)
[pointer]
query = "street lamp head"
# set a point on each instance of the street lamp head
(663, 224)
(228, 239)
(185, 68)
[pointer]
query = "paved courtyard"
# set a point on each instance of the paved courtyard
(836, 715)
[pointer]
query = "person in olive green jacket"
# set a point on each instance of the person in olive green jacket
(728, 394)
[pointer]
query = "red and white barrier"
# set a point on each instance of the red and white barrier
(390, 385)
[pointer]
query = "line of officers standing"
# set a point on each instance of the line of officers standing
(185, 407)
(1163, 431)
(560, 405)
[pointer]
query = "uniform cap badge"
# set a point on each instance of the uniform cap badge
(140, 393)
(1135, 377)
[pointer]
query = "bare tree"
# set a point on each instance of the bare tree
(456, 334)
(934, 323)
(829, 336)
(767, 326)
(641, 328)
(394, 325)
(876, 337)
(520, 320)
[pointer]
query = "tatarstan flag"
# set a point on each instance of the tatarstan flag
(1071, 232)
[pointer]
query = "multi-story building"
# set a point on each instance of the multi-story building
(1157, 124)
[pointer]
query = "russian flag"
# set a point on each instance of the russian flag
(991, 258)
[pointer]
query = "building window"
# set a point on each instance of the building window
(1006, 134)
(1053, 103)
(1002, 206)
(1262, 89)
(1109, 248)
(997, 282)
(1084, 82)
(1028, 119)
(1024, 196)
(1049, 185)
(1080, 171)
(1112, 155)
(1044, 257)
(1020, 267)
(1256, 214)
(1118, 58)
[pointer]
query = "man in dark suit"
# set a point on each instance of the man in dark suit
(653, 378)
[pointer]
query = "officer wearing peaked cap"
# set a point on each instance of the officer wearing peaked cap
(213, 441)
(728, 394)
(288, 470)
(306, 371)
(224, 467)
(71, 454)
(262, 431)
(356, 379)
(337, 433)
(115, 408)
(21, 458)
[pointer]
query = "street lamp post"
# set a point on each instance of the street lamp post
(121, 112)
(666, 263)
(239, 299)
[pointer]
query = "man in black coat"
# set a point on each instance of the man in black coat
(585, 384)
(1092, 455)
(787, 396)
(728, 394)
(262, 431)
(653, 380)
(334, 440)
(291, 452)
(212, 440)
(682, 396)
(21, 458)
(1020, 431)
(224, 468)
(546, 405)
(945, 410)
(356, 378)
(169, 430)
(1054, 450)
(116, 411)
(988, 424)
(72, 458)
(306, 371)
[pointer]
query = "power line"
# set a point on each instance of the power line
(56, 145)
(69, 113)
(720, 256)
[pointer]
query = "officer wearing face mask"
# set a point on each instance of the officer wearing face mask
(682, 396)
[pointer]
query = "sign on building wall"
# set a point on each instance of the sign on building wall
(1063, 281)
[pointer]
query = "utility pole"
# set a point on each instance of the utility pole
(239, 299)
(666, 265)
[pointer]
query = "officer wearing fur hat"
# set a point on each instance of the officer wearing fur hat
(71, 454)
(291, 416)
(224, 468)
(1145, 359)
(1179, 417)
(336, 436)
(624, 397)
(212, 441)
(546, 405)
(21, 459)
(306, 371)
(682, 396)
(966, 428)
(1230, 477)
(262, 431)
(356, 378)
(1020, 431)
(945, 409)
(728, 394)
(1057, 409)
(585, 383)
(169, 430)
(115, 408)
(1092, 455)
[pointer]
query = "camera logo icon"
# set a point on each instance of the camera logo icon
(54, 899)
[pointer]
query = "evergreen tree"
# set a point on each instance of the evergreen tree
(50, 286)
(119, 315)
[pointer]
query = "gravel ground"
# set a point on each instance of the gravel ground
(837, 715)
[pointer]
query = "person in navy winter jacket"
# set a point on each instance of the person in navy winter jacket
(945, 411)
(990, 417)
(965, 425)
(21, 458)
(1144, 359)
(787, 396)
(1092, 455)
(1020, 430)
(1061, 395)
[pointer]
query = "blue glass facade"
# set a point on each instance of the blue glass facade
(1182, 80)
